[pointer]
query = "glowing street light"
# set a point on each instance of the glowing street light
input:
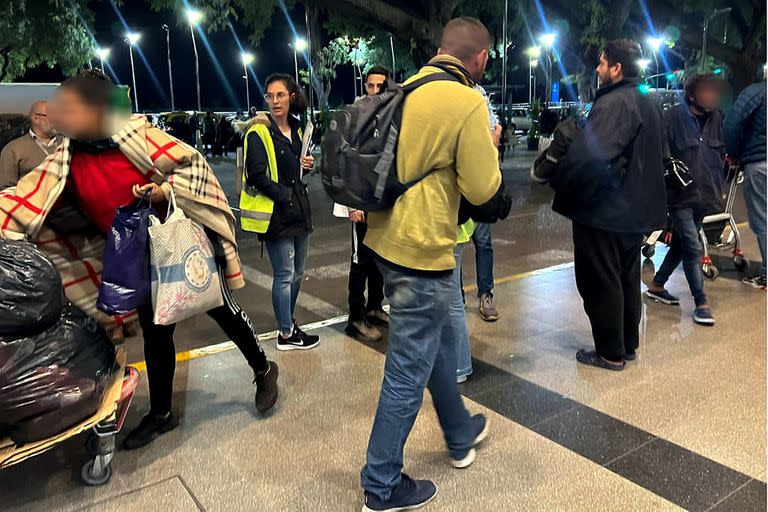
(655, 43)
(299, 45)
(194, 17)
(548, 43)
(534, 52)
(103, 53)
(548, 40)
(644, 63)
(247, 59)
(132, 39)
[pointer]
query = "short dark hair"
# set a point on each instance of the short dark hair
(92, 85)
(299, 102)
(694, 82)
(464, 37)
(377, 70)
(625, 52)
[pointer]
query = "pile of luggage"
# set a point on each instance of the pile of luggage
(55, 361)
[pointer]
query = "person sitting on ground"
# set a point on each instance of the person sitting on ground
(107, 161)
(695, 134)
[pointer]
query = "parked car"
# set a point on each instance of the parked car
(520, 119)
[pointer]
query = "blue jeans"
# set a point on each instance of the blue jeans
(421, 352)
(685, 247)
(287, 256)
(483, 259)
(754, 194)
(459, 320)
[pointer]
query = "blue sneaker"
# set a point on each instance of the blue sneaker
(409, 494)
(465, 459)
(664, 297)
(703, 316)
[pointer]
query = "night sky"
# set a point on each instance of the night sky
(222, 88)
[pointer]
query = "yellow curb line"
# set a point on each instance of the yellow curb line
(218, 348)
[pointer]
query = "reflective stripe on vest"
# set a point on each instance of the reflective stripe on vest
(256, 208)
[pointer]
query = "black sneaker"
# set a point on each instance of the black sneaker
(409, 494)
(150, 428)
(298, 341)
(362, 330)
(663, 296)
(378, 317)
(266, 387)
(755, 282)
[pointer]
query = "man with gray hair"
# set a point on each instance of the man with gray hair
(22, 155)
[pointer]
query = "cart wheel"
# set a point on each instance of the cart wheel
(86, 473)
(648, 251)
(92, 444)
(711, 272)
(741, 263)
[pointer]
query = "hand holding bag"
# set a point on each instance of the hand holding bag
(125, 283)
(185, 278)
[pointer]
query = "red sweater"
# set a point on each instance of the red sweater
(103, 182)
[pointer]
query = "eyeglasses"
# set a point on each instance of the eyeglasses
(279, 96)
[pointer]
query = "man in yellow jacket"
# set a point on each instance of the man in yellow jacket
(444, 130)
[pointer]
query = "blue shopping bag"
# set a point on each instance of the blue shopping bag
(125, 283)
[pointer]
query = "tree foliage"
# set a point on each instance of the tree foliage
(44, 32)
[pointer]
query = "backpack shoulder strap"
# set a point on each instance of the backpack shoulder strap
(434, 77)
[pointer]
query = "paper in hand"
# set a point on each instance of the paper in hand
(306, 141)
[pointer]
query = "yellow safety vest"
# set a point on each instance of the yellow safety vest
(466, 231)
(256, 208)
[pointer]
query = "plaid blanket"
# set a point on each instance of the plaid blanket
(165, 160)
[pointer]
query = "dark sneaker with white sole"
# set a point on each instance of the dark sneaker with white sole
(409, 494)
(299, 340)
(664, 297)
(480, 428)
(266, 387)
(150, 428)
(630, 356)
(703, 316)
(755, 282)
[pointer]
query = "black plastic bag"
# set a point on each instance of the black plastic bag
(55, 379)
(31, 294)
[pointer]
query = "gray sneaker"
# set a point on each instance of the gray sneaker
(487, 309)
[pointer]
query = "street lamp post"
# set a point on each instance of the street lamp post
(392, 50)
(299, 45)
(103, 53)
(504, 64)
(715, 13)
(247, 60)
(548, 43)
(655, 44)
(170, 73)
(534, 53)
(194, 17)
(132, 38)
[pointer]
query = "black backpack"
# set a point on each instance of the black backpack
(359, 150)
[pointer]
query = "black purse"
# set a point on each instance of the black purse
(676, 174)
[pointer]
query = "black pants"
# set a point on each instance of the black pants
(160, 352)
(363, 269)
(607, 268)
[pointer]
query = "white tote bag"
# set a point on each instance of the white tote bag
(185, 280)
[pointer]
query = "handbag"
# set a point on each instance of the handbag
(185, 278)
(125, 283)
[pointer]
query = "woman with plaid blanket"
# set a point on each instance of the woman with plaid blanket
(67, 204)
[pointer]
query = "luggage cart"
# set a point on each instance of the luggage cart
(713, 228)
(103, 425)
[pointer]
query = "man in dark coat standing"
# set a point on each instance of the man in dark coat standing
(611, 185)
(695, 135)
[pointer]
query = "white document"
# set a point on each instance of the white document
(306, 141)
